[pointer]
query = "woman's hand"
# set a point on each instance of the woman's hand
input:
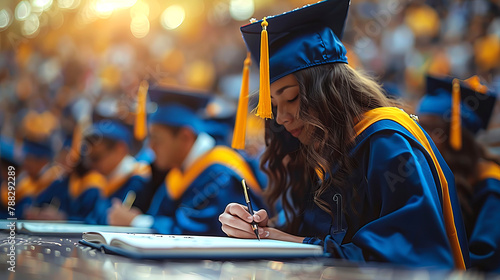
(236, 222)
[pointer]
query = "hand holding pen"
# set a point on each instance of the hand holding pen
(240, 221)
(250, 209)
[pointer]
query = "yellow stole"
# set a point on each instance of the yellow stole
(400, 117)
(77, 185)
(4, 194)
(489, 170)
(140, 169)
(177, 182)
(29, 187)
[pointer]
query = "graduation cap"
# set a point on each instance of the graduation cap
(289, 42)
(466, 103)
(179, 108)
(8, 151)
(111, 129)
(41, 148)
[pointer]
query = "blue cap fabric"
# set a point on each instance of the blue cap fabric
(7, 150)
(38, 149)
(112, 129)
(301, 38)
(179, 108)
(476, 108)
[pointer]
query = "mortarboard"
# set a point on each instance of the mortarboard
(468, 105)
(289, 42)
(300, 38)
(111, 129)
(38, 149)
(8, 150)
(179, 108)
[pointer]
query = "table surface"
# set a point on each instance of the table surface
(51, 257)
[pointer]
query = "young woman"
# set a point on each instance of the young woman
(477, 174)
(352, 173)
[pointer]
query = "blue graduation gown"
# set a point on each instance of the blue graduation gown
(119, 188)
(27, 189)
(196, 209)
(393, 203)
(77, 195)
(484, 242)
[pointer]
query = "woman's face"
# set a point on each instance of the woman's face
(286, 102)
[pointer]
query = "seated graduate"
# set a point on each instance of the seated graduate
(9, 167)
(74, 195)
(108, 153)
(38, 172)
(203, 177)
(453, 116)
(353, 174)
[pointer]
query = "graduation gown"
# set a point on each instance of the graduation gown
(484, 242)
(118, 187)
(27, 189)
(191, 201)
(399, 204)
(77, 195)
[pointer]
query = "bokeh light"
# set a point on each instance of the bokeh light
(5, 19)
(104, 8)
(173, 17)
(39, 6)
(68, 4)
(140, 8)
(241, 9)
(23, 10)
(139, 26)
(31, 25)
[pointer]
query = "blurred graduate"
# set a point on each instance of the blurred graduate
(353, 173)
(453, 112)
(73, 196)
(108, 152)
(38, 169)
(203, 176)
(9, 165)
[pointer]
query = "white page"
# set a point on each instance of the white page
(38, 227)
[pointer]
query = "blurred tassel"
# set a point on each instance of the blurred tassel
(475, 84)
(264, 109)
(76, 143)
(241, 116)
(456, 125)
(140, 127)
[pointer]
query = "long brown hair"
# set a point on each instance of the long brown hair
(463, 163)
(332, 98)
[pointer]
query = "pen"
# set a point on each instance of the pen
(129, 199)
(250, 210)
(55, 203)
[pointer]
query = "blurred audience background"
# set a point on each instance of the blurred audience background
(68, 61)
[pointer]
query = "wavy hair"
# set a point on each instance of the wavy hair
(332, 98)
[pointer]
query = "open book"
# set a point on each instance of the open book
(156, 246)
(60, 229)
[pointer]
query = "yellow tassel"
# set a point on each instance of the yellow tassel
(76, 143)
(475, 84)
(456, 125)
(140, 127)
(241, 116)
(264, 109)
